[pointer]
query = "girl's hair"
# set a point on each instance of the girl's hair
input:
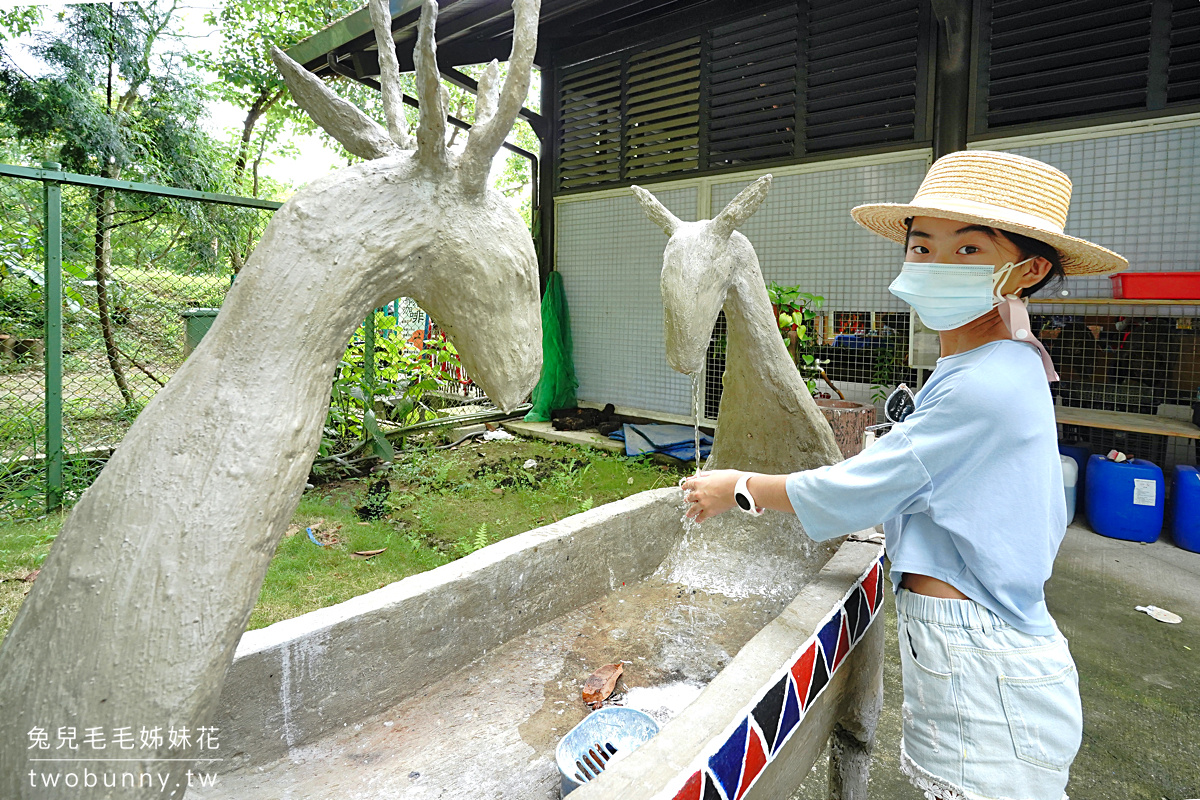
(1028, 248)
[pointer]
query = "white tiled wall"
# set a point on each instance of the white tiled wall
(1135, 193)
(610, 257)
(805, 237)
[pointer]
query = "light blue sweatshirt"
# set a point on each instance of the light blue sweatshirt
(969, 487)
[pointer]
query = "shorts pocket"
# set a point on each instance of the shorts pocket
(923, 645)
(1045, 718)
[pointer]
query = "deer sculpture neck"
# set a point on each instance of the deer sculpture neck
(768, 421)
(137, 612)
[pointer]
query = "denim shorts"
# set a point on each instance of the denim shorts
(990, 712)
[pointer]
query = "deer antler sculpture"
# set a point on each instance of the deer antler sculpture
(141, 602)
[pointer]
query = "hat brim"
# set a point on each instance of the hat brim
(1079, 256)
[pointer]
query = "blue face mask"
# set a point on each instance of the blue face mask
(948, 296)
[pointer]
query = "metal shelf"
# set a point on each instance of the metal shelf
(1109, 301)
(1126, 421)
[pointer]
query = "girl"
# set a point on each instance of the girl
(969, 486)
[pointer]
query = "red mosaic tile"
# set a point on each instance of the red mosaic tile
(756, 759)
(691, 789)
(802, 671)
(843, 645)
(869, 583)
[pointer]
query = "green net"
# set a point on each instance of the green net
(556, 387)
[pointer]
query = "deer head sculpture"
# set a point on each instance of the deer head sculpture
(700, 265)
(135, 616)
(768, 420)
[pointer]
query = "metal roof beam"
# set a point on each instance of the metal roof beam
(346, 30)
(415, 103)
(463, 81)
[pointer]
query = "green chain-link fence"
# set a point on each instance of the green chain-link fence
(105, 286)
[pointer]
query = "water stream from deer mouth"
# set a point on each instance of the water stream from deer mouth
(696, 416)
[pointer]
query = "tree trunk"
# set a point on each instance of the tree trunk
(260, 106)
(106, 206)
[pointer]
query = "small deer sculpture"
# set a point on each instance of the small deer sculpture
(138, 609)
(768, 421)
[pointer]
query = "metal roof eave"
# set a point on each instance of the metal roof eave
(345, 30)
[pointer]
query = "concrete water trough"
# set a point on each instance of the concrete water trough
(746, 641)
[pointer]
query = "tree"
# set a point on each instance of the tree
(114, 103)
(18, 21)
(249, 80)
(246, 76)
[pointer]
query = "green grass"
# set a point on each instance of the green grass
(443, 504)
(23, 547)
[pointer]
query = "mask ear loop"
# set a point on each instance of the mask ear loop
(1015, 316)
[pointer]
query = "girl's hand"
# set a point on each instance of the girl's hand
(710, 493)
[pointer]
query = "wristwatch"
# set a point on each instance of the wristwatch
(745, 501)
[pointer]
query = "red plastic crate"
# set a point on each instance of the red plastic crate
(1156, 286)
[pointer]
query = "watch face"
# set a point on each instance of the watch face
(899, 404)
(742, 501)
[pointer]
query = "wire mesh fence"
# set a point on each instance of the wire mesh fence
(144, 271)
(1131, 364)
(855, 355)
(142, 276)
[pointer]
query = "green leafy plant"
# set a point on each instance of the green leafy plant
(795, 311)
(887, 359)
(477, 540)
(398, 371)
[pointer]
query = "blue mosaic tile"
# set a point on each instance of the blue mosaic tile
(791, 716)
(829, 636)
(726, 763)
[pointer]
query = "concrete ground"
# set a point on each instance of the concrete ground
(1139, 678)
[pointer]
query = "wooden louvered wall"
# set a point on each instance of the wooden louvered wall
(662, 108)
(806, 77)
(815, 78)
(590, 126)
(862, 73)
(1183, 70)
(1048, 60)
(752, 88)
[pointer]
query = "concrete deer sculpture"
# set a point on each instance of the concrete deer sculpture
(141, 602)
(768, 421)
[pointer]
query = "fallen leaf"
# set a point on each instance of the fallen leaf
(498, 491)
(600, 684)
(367, 553)
(29, 578)
(292, 530)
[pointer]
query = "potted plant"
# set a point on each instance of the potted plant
(795, 312)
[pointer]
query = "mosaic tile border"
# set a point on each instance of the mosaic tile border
(731, 763)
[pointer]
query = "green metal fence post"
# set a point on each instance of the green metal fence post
(54, 377)
(369, 359)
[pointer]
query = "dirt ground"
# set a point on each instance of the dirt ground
(1139, 681)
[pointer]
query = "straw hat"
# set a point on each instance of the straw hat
(1000, 190)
